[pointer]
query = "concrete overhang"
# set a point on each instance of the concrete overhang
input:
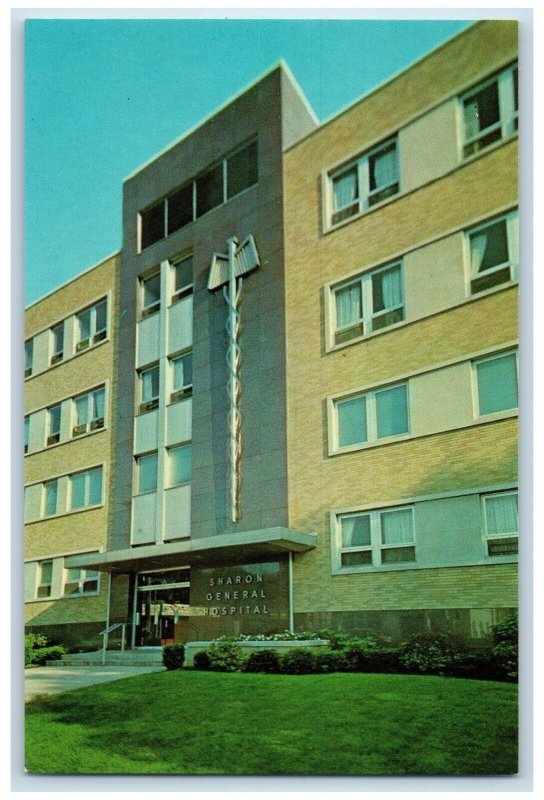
(226, 548)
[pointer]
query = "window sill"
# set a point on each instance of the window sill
(67, 359)
(480, 421)
(329, 228)
(484, 562)
(79, 595)
(470, 298)
(67, 441)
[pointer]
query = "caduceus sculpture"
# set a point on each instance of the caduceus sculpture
(227, 271)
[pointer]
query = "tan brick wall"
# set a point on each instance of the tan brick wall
(87, 529)
(480, 455)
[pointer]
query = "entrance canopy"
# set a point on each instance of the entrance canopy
(227, 548)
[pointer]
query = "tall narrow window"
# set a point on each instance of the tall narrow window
(149, 388)
(490, 111)
(29, 353)
(53, 422)
(57, 343)
(497, 380)
(27, 433)
(45, 579)
(501, 523)
(370, 302)
(183, 278)
(151, 294)
(494, 253)
(147, 472)
(369, 180)
(51, 497)
(182, 376)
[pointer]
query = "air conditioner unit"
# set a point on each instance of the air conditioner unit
(79, 429)
(53, 439)
(97, 423)
(82, 345)
(100, 336)
(179, 394)
(149, 406)
(150, 310)
(56, 358)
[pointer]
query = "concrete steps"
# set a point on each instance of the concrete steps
(141, 657)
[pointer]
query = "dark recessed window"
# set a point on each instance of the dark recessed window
(153, 224)
(242, 170)
(209, 190)
(180, 208)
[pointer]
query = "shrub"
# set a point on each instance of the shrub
(225, 656)
(383, 659)
(428, 653)
(298, 662)
(505, 649)
(201, 660)
(32, 641)
(262, 661)
(173, 656)
(42, 654)
(329, 660)
(478, 666)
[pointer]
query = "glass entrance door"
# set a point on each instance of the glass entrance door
(162, 597)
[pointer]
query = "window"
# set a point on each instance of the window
(26, 433)
(180, 464)
(368, 303)
(370, 179)
(89, 411)
(147, 472)
(213, 187)
(51, 497)
(151, 294)
(57, 343)
(44, 580)
(375, 415)
(490, 111)
(376, 538)
(80, 581)
(500, 512)
(183, 278)
(497, 382)
(53, 422)
(149, 388)
(92, 325)
(29, 354)
(494, 253)
(182, 376)
(86, 489)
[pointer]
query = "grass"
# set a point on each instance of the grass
(195, 723)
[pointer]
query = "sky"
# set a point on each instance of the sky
(103, 96)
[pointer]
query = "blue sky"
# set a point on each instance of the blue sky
(103, 96)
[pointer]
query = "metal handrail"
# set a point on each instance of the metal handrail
(105, 633)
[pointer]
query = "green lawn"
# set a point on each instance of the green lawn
(245, 724)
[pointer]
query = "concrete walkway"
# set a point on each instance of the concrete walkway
(51, 680)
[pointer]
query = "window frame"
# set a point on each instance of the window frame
(507, 124)
(169, 450)
(155, 306)
(86, 473)
(96, 334)
(371, 420)
(53, 435)
(26, 433)
(57, 352)
(50, 483)
(361, 165)
(151, 403)
(489, 537)
(29, 357)
(83, 578)
(186, 289)
(511, 221)
(40, 584)
(92, 423)
(376, 546)
(476, 386)
(137, 460)
(186, 390)
(366, 321)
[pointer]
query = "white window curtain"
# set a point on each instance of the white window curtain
(150, 384)
(356, 531)
(82, 408)
(502, 513)
(348, 305)
(472, 119)
(478, 244)
(390, 293)
(385, 168)
(84, 321)
(397, 527)
(98, 404)
(345, 190)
